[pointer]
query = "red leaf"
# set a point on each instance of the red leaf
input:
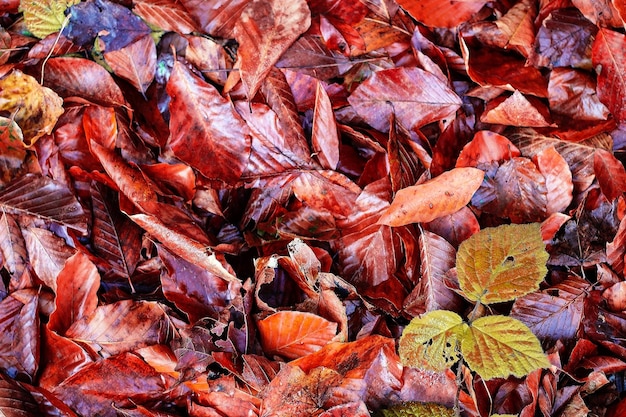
(15, 401)
(559, 183)
(610, 174)
(293, 334)
(440, 13)
(219, 19)
(12, 246)
(517, 110)
(47, 253)
(205, 127)
(609, 53)
(76, 295)
(168, 15)
(438, 197)
(324, 136)
(61, 358)
(485, 147)
(554, 313)
(265, 30)
(455, 227)
(79, 77)
(573, 93)
(415, 96)
(615, 249)
(135, 63)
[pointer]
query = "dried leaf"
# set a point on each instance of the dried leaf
(35, 109)
(45, 17)
(554, 313)
(12, 246)
(218, 20)
(559, 185)
(47, 253)
(486, 147)
(324, 136)
(15, 401)
(513, 349)
(608, 57)
(135, 63)
(293, 334)
(573, 93)
(418, 410)
(265, 30)
(168, 15)
(431, 341)
(517, 110)
(438, 197)
(503, 263)
(518, 27)
(12, 148)
(415, 96)
(19, 327)
(217, 129)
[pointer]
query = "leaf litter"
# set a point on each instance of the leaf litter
(236, 209)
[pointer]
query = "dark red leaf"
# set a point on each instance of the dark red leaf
(610, 174)
(15, 401)
(19, 327)
(608, 53)
(440, 13)
(168, 15)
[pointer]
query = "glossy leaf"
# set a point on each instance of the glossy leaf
(218, 130)
(517, 110)
(554, 313)
(610, 174)
(135, 63)
(499, 346)
(432, 340)
(438, 197)
(36, 109)
(518, 27)
(573, 93)
(439, 13)
(264, 31)
(293, 334)
(608, 53)
(415, 96)
(47, 253)
(121, 327)
(418, 410)
(485, 147)
(503, 263)
(324, 136)
(61, 359)
(218, 20)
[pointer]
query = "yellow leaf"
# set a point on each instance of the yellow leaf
(499, 346)
(431, 341)
(43, 17)
(503, 263)
(416, 409)
(443, 195)
(34, 108)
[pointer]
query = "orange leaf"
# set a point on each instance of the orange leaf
(558, 176)
(485, 147)
(293, 334)
(608, 55)
(517, 110)
(442, 13)
(438, 197)
(610, 174)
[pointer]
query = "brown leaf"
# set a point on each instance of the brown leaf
(76, 295)
(600, 12)
(326, 190)
(415, 96)
(559, 185)
(518, 27)
(608, 56)
(486, 147)
(617, 247)
(15, 401)
(79, 77)
(324, 136)
(60, 359)
(439, 13)
(121, 327)
(218, 20)
(218, 131)
(553, 313)
(135, 63)
(12, 148)
(264, 31)
(517, 110)
(293, 334)
(438, 197)
(44, 198)
(455, 227)
(12, 246)
(19, 327)
(610, 174)
(573, 93)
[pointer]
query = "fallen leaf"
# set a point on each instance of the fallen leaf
(438, 13)
(438, 197)
(45, 17)
(608, 57)
(610, 174)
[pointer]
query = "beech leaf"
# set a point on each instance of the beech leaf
(502, 263)
(415, 96)
(293, 334)
(265, 30)
(12, 246)
(443, 195)
(608, 56)
(15, 401)
(438, 13)
(36, 108)
(610, 174)
(169, 15)
(499, 346)
(431, 341)
(12, 148)
(136, 62)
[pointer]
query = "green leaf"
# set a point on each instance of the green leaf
(431, 341)
(416, 409)
(499, 346)
(44, 17)
(503, 263)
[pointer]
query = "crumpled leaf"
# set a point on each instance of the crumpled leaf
(443, 195)
(502, 263)
(204, 127)
(36, 109)
(431, 341)
(415, 96)
(265, 30)
(513, 349)
(293, 334)
(44, 17)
